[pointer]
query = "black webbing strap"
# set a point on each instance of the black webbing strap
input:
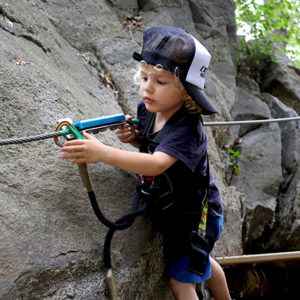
(129, 219)
(202, 224)
(121, 223)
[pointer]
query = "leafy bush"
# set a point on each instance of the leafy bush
(234, 157)
(270, 26)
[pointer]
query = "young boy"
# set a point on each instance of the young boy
(173, 147)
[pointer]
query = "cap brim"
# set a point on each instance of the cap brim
(200, 98)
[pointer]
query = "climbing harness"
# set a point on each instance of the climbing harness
(199, 238)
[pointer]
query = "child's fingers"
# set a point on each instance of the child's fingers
(77, 161)
(88, 136)
(123, 130)
(123, 127)
(72, 148)
(72, 155)
(74, 142)
(126, 135)
(126, 139)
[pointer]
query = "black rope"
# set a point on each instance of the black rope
(126, 220)
(130, 219)
(120, 224)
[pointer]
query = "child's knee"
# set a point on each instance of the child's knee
(180, 288)
(174, 285)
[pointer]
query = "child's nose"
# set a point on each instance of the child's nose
(149, 85)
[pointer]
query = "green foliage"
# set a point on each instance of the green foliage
(234, 157)
(272, 26)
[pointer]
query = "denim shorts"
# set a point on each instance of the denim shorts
(178, 269)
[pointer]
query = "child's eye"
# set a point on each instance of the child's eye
(161, 82)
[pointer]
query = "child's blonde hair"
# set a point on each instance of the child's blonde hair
(190, 105)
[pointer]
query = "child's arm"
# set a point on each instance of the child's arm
(91, 150)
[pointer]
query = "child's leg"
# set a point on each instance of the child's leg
(183, 291)
(183, 282)
(217, 282)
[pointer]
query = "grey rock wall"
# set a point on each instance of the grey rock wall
(269, 169)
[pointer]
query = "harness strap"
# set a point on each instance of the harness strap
(203, 220)
(129, 217)
(127, 220)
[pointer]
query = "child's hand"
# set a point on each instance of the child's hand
(89, 150)
(127, 133)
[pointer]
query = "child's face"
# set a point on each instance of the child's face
(159, 91)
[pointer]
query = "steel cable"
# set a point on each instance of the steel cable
(29, 138)
(222, 123)
(229, 123)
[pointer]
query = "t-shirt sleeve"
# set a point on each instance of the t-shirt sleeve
(187, 142)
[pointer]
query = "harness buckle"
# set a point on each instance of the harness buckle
(146, 187)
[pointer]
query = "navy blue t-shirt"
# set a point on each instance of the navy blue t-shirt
(186, 141)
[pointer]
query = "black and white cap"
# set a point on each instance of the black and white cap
(180, 53)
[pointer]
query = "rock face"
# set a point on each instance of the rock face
(65, 58)
(283, 82)
(269, 175)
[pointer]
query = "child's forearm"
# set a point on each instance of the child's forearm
(139, 163)
(91, 150)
